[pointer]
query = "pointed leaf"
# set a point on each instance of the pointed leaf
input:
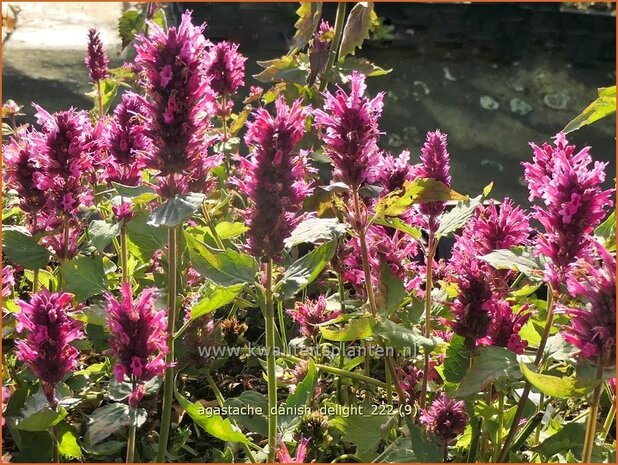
(356, 28)
(84, 277)
(22, 249)
(175, 210)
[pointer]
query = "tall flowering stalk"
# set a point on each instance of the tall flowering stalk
(126, 142)
(274, 180)
(349, 129)
(180, 104)
(47, 347)
(572, 205)
(593, 327)
(139, 341)
(435, 164)
(97, 63)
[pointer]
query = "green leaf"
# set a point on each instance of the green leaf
(558, 349)
(214, 425)
(300, 398)
(175, 210)
(286, 68)
(43, 419)
(129, 24)
(314, 230)
(68, 446)
(137, 194)
(356, 329)
(229, 230)
(214, 297)
(356, 28)
(606, 232)
(560, 387)
(142, 239)
(400, 337)
(457, 360)
(95, 314)
(108, 419)
(392, 291)
(362, 65)
(399, 225)
(490, 364)
(102, 233)
(415, 192)
(84, 277)
(520, 259)
(569, 438)
(304, 270)
(457, 216)
(308, 19)
(21, 248)
(224, 269)
(250, 410)
(364, 431)
(603, 106)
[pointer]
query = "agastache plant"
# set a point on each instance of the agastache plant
(97, 63)
(139, 341)
(274, 180)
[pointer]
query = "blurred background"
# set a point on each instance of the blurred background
(492, 76)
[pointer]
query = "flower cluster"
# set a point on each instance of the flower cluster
(504, 327)
(274, 177)
(127, 141)
(391, 172)
(573, 203)
(593, 327)
(96, 57)
(311, 313)
(139, 338)
(283, 455)
(349, 130)
(225, 67)
(65, 158)
(180, 99)
(8, 281)
(446, 418)
(50, 330)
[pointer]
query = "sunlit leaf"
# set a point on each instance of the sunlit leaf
(356, 28)
(603, 106)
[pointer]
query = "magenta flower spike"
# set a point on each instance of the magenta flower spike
(65, 156)
(139, 338)
(181, 101)
(435, 164)
(225, 67)
(349, 129)
(96, 57)
(22, 160)
(283, 455)
(446, 418)
(49, 331)
(274, 177)
(126, 140)
(391, 172)
(505, 327)
(311, 313)
(8, 281)
(593, 326)
(572, 203)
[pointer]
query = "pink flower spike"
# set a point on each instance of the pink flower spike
(96, 57)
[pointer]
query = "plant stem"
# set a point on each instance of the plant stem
(334, 45)
(362, 238)
(124, 254)
(168, 387)
(591, 424)
(269, 316)
(35, 273)
(445, 454)
(211, 226)
(341, 288)
(54, 439)
(428, 287)
(99, 98)
(609, 421)
(500, 420)
(508, 442)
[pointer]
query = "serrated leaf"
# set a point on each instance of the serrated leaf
(361, 65)
(400, 337)
(415, 192)
(399, 225)
(457, 216)
(174, 211)
(108, 419)
(84, 277)
(129, 24)
(391, 292)
(214, 425)
(143, 240)
(520, 259)
(299, 398)
(603, 106)
(356, 28)
(457, 360)
(314, 230)
(42, 420)
(214, 297)
(364, 431)
(224, 269)
(144, 193)
(356, 329)
(309, 14)
(490, 364)
(560, 387)
(254, 407)
(68, 445)
(305, 270)
(286, 68)
(21, 248)
(102, 233)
